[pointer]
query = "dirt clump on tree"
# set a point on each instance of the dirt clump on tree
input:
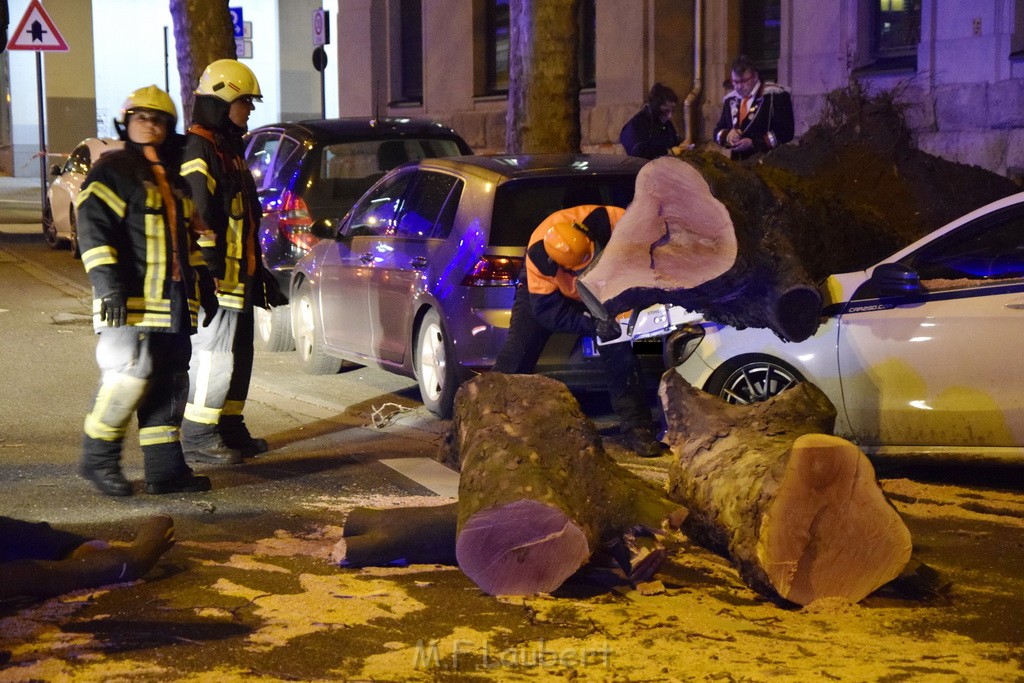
(861, 158)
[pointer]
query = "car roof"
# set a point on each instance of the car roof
(361, 128)
(501, 167)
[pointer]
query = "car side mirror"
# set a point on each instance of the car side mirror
(324, 228)
(55, 170)
(896, 279)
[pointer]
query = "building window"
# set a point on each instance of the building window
(760, 35)
(588, 44)
(497, 41)
(896, 32)
(408, 46)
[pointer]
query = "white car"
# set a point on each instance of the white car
(920, 353)
(59, 217)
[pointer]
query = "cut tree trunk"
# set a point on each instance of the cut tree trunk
(799, 512)
(705, 234)
(538, 493)
(374, 537)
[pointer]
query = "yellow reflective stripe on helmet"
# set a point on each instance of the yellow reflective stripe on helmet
(103, 255)
(105, 195)
(151, 436)
(199, 166)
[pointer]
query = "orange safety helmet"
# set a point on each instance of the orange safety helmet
(568, 245)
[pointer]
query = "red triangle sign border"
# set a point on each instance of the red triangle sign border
(17, 43)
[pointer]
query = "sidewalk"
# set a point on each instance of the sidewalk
(20, 204)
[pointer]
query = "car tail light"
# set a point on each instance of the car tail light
(294, 220)
(494, 271)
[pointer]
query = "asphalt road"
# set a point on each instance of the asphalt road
(248, 592)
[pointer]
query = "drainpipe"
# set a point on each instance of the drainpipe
(690, 111)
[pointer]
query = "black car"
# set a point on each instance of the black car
(307, 170)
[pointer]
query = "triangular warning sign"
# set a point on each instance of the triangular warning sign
(36, 32)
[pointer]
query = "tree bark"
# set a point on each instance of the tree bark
(538, 494)
(543, 89)
(398, 536)
(709, 235)
(203, 33)
(799, 512)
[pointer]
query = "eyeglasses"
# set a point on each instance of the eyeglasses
(749, 78)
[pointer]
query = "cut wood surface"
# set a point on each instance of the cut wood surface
(538, 493)
(798, 511)
(707, 235)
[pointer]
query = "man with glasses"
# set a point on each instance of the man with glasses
(756, 117)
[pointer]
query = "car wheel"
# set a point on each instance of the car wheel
(435, 366)
(273, 328)
(49, 229)
(752, 378)
(309, 339)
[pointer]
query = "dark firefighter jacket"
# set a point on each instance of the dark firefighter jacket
(225, 197)
(555, 303)
(128, 246)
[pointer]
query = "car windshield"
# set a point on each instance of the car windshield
(520, 205)
(79, 161)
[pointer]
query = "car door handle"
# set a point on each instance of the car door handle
(366, 257)
(418, 262)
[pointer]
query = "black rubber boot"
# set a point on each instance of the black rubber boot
(204, 443)
(101, 465)
(235, 434)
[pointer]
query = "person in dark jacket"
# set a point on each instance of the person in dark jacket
(756, 117)
(225, 197)
(650, 133)
(148, 277)
(547, 301)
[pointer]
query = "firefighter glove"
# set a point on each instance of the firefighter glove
(208, 298)
(114, 309)
(608, 330)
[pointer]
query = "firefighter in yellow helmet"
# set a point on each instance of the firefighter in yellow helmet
(148, 278)
(225, 196)
(547, 301)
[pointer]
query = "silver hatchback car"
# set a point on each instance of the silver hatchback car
(419, 277)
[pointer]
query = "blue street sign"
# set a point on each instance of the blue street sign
(237, 22)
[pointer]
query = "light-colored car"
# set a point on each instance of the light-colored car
(59, 217)
(920, 353)
(419, 276)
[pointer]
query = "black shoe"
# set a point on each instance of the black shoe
(236, 435)
(109, 480)
(641, 441)
(189, 483)
(218, 453)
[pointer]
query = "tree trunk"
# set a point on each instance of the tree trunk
(203, 33)
(398, 536)
(543, 78)
(538, 494)
(708, 235)
(798, 512)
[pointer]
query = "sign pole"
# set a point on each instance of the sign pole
(42, 126)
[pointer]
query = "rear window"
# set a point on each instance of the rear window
(520, 205)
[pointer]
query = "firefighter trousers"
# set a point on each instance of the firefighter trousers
(219, 373)
(144, 373)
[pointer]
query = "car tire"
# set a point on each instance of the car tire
(435, 366)
(273, 328)
(752, 378)
(309, 339)
(49, 229)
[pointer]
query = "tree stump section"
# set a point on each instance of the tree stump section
(707, 236)
(798, 511)
(539, 495)
(374, 537)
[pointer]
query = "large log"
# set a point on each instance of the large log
(709, 237)
(378, 537)
(539, 495)
(798, 511)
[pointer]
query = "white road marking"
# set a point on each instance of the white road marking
(427, 473)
